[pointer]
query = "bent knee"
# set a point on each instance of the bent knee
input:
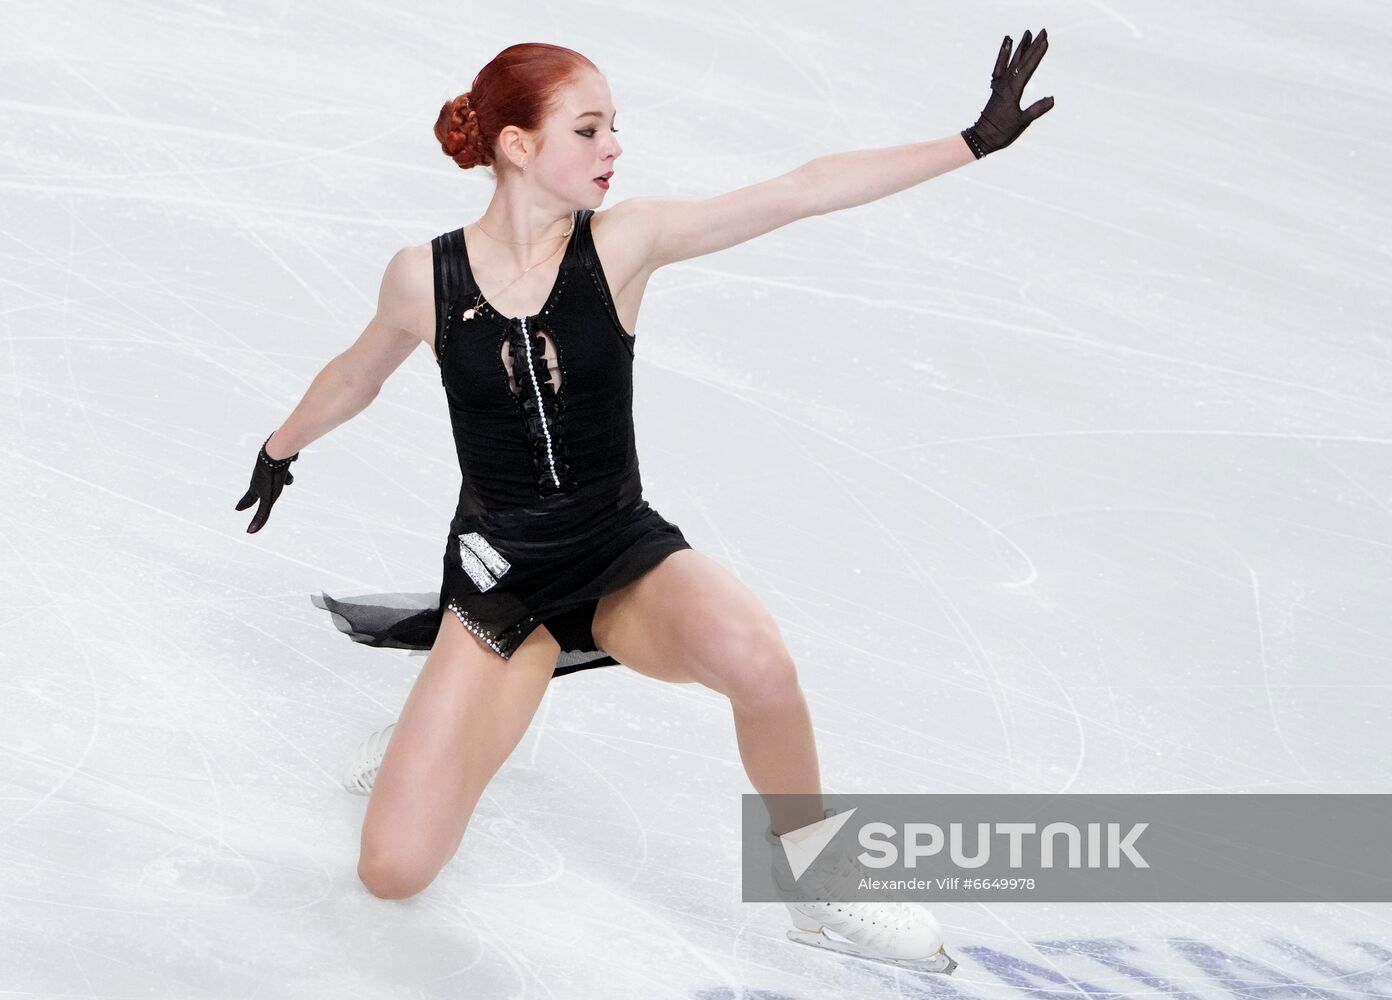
(390, 880)
(755, 668)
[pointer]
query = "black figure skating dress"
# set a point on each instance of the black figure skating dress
(551, 514)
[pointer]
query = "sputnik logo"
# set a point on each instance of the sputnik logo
(803, 845)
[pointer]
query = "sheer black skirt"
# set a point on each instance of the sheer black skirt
(508, 571)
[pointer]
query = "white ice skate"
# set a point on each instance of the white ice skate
(363, 770)
(904, 935)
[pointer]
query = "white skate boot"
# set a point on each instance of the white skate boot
(363, 769)
(899, 934)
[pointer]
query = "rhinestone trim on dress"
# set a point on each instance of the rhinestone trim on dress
(478, 558)
(443, 337)
(628, 339)
(472, 566)
(541, 409)
(476, 628)
(495, 562)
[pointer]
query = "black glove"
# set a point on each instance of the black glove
(1002, 121)
(270, 476)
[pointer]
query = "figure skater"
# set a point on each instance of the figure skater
(554, 562)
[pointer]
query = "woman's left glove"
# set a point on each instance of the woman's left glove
(1002, 121)
(270, 476)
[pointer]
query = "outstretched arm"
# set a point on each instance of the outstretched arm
(674, 229)
(844, 180)
(348, 383)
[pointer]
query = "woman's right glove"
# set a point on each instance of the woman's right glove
(1002, 121)
(270, 476)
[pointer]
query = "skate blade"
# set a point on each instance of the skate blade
(940, 962)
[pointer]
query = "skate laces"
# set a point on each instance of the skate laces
(833, 875)
(883, 924)
(363, 771)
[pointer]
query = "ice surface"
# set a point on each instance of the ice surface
(1067, 471)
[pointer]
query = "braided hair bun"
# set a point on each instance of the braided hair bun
(458, 131)
(518, 87)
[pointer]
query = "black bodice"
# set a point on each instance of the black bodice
(539, 405)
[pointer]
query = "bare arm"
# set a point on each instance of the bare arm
(331, 399)
(672, 229)
(348, 383)
(844, 180)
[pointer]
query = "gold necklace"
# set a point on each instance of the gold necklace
(516, 243)
(473, 310)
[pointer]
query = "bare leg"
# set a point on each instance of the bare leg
(780, 756)
(689, 619)
(466, 712)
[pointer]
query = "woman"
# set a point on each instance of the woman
(554, 562)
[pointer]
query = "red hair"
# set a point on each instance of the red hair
(518, 87)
